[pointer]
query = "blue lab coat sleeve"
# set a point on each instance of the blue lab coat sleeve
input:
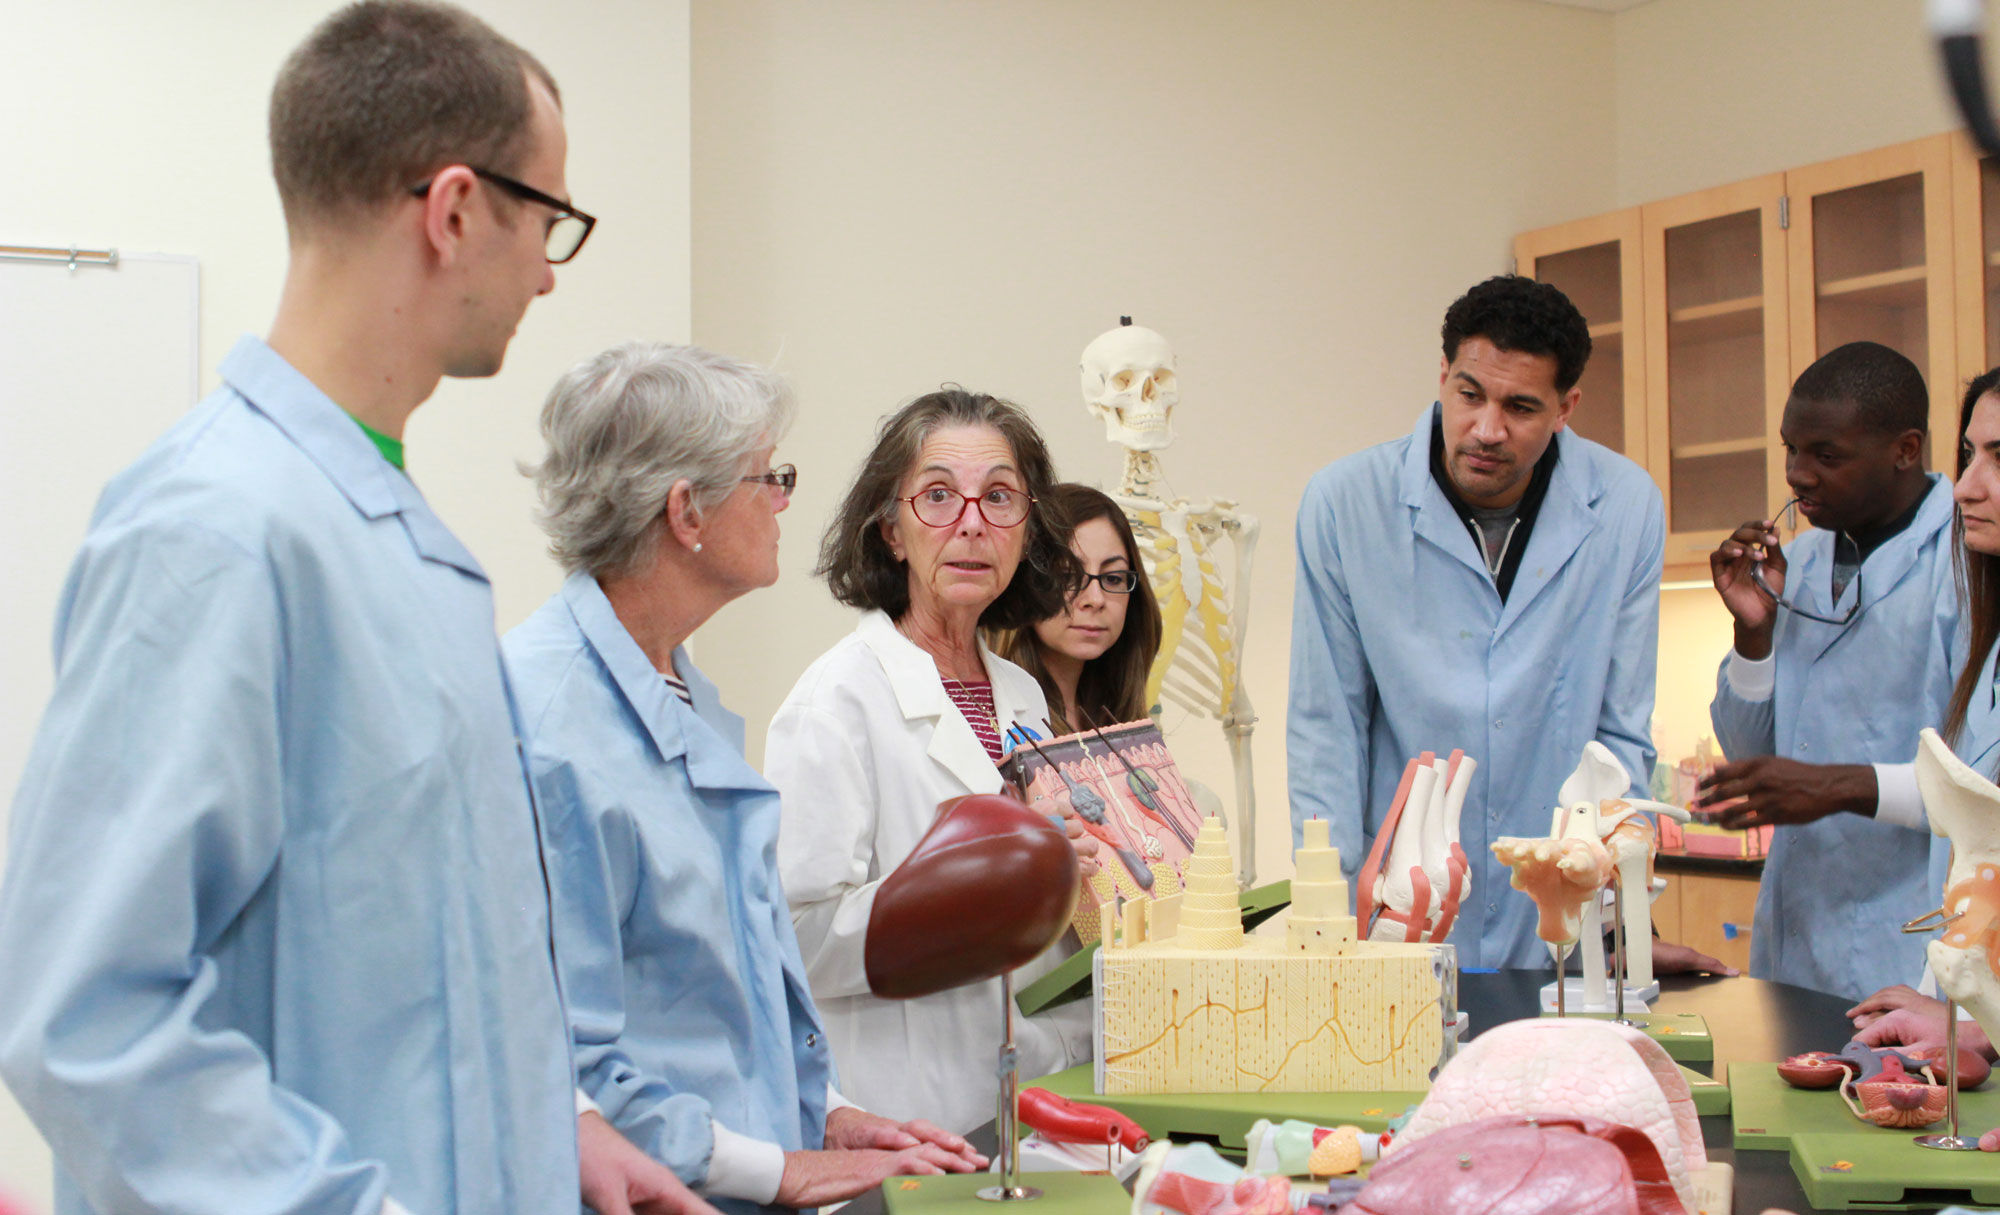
(598, 847)
(148, 817)
(1331, 701)
(1625, 724)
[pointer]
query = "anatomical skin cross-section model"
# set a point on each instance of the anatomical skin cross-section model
(1123, 785)
(1187, 1003)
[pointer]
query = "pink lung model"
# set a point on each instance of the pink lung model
(1593, 1069)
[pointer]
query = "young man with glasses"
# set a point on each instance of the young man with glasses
(276, 923)
(1846, 646)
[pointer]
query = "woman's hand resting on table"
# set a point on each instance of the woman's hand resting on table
(1902, 1016)
(863, 1151)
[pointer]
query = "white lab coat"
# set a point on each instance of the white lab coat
(863, 750)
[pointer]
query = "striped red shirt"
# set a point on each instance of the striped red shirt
(975, 701)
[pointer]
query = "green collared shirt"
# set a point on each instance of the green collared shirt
(391, 449)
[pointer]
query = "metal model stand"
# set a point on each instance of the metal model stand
(1007, 1123)
(1951, 1140)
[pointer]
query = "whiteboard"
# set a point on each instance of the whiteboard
(94, 363)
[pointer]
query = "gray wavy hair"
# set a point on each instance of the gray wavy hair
(623, 427)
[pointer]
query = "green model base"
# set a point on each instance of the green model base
(1842, 1162)
(1071, 980)
(1684, 1035)
(958, 1194)
(1226, 1118)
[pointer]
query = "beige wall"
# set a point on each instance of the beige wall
(141, 125)
(1714, 91)
(890, 195)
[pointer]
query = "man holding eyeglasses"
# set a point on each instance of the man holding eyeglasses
(276, 925)
(1846, 645)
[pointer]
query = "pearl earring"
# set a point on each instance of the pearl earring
(697, 546)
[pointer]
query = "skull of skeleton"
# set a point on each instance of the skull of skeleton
(1129, 381)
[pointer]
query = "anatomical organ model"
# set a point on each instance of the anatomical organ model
(1414, 894)
(1129, 381)
(1964, 807)
(1597, 838)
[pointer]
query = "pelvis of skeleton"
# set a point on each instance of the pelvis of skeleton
(1964, 807)
(1416, 873)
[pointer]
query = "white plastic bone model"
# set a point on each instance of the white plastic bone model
(1593, 806)
(1129, 381)
(1415, 893)
(1964, 807)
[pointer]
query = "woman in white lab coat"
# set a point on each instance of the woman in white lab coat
(942, 532)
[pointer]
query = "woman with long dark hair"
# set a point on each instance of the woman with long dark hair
(1093, 657)
(1900, 1015)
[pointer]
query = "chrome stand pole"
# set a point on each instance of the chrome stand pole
(1007, 1122)
(1951, 1140)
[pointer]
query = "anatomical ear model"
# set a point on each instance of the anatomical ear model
(1588, 1069)
(1415, 894)
(1965, 808)
(1129, 382)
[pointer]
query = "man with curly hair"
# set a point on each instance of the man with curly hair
(1489, 583)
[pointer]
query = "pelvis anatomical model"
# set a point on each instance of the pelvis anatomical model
(1964, 807)
(1414, 896)
(1595, 834)
(1129, 382)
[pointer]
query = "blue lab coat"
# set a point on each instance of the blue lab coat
(1401, 644)
(1978, 744)
(275, 929)
(686, 992)
(1836, 892)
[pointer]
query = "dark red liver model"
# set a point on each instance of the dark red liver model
(989, 886)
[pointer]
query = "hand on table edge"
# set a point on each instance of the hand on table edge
(616, 1178)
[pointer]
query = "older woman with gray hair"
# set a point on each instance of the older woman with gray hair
(694, 1028)
(947, 528)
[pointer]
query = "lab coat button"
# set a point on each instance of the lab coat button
(812, 1039)
(1499, 724)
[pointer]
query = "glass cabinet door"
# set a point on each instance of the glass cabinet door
(1595, 262)
(1870, 248)
(1976, 263)
(1716, 361)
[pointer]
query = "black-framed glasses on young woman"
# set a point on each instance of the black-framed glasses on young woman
(567, 229)
(1115, 582)
(942, 506)
(1787, 517)
(783, 479)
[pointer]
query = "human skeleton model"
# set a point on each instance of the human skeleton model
(1415, 896)
(1595, 834)
(1964, 807)
(1129, 381)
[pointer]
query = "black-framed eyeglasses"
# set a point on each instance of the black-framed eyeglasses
(784, 478)
(567, 230)
(942, 506)
(1114, 582)
(1757, 577)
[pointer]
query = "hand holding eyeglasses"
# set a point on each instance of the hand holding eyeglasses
(1750, 553)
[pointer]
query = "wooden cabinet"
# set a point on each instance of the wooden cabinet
(1595, 262)
(1717, 369)
(1709, 912)
(1871, 254)
(1976, 232)
(1739, 288)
